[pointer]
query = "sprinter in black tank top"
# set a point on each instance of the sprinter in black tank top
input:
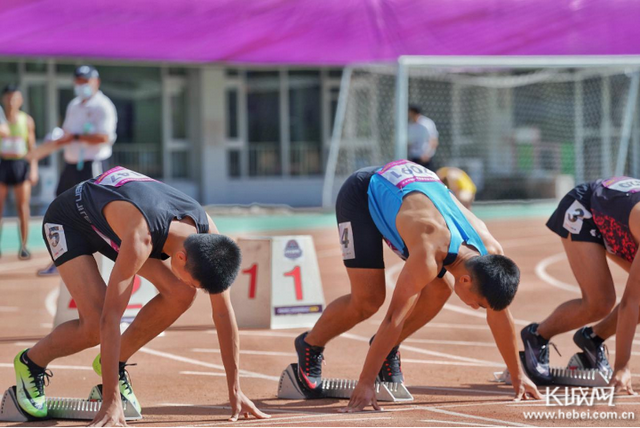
(139, 223)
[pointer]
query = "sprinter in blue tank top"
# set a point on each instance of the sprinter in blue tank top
(445, 247)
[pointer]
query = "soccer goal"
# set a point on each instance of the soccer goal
(516, 124)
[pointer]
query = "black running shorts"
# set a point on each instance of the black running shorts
(68, 235)
(360, 239)
(573, 216)
(14, 171)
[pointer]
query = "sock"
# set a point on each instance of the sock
(121, 366)
(33, 367)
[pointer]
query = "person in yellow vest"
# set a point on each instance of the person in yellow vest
(459, 183)
(15, 171)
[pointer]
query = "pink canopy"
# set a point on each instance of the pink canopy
(315, 31)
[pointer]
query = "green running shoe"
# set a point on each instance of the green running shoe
(126, 392)
(30, 387)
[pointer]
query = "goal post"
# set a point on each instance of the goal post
(514, 123)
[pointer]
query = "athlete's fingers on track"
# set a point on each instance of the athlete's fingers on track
(258, 413)
(375, 405)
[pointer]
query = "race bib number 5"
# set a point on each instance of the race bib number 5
(401, 173)
(119, 176)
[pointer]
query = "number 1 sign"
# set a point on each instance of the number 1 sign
(279, 283)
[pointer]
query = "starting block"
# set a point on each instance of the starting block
(62, 408)
(290, 387)
(577, 373)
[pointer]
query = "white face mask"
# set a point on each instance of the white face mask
(83, 91)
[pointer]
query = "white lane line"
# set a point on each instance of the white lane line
(445, 325)
(51, 301)
(479, 418)
(262, 333)
(541, 272)
(52, 366)
(247, 352)
(433, 353)
(440, 422)
(451, 342)
(192, 373)
(442, 363)
(466, 390)
(480, 313)
(9, 309)
(276, 422)
(204, 364)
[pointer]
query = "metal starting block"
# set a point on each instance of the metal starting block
(290, 387)
(577, 373)
(62, 408)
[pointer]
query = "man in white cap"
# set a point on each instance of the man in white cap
(89, 133)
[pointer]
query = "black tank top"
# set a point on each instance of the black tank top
(159, 203)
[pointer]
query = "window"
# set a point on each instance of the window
(232, 113)
(305, 122)
(263, 121)
(137, 95)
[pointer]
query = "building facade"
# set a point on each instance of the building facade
(220, 133)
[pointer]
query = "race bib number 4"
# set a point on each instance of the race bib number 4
(119, 176)
(623, 184)
(400, 173)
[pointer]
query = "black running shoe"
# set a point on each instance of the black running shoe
(309, 363)
(391, 370)
(594, 349)
(536, 351)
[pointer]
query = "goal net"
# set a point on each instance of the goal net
(515, 128)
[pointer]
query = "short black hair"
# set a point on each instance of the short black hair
(10, 88)
(414, 108)
(212, 260)
(496, 278)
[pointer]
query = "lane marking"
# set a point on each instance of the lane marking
(541, 272)
(443, 363)
(52, 366)
(50, 302)
(433, 353)
(439, 421)
(247, 352)
(466, 390)
(204, 364)
(451, 342)
(277, 421)
(445, 325)
(479, 418)
(192, 373)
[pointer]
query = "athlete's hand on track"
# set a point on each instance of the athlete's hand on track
(621, 381)
(110, 415)
(525, 388)
(241, 404)
(362, 396)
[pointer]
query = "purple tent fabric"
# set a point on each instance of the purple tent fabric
(315, 31)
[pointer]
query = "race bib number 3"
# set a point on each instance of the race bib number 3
(623, 184)
(401, 173)
(119, 176)
(574, 217)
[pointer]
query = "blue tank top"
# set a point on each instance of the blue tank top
(388, 187)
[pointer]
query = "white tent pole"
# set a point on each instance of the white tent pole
(402, 105)
(629, 116)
